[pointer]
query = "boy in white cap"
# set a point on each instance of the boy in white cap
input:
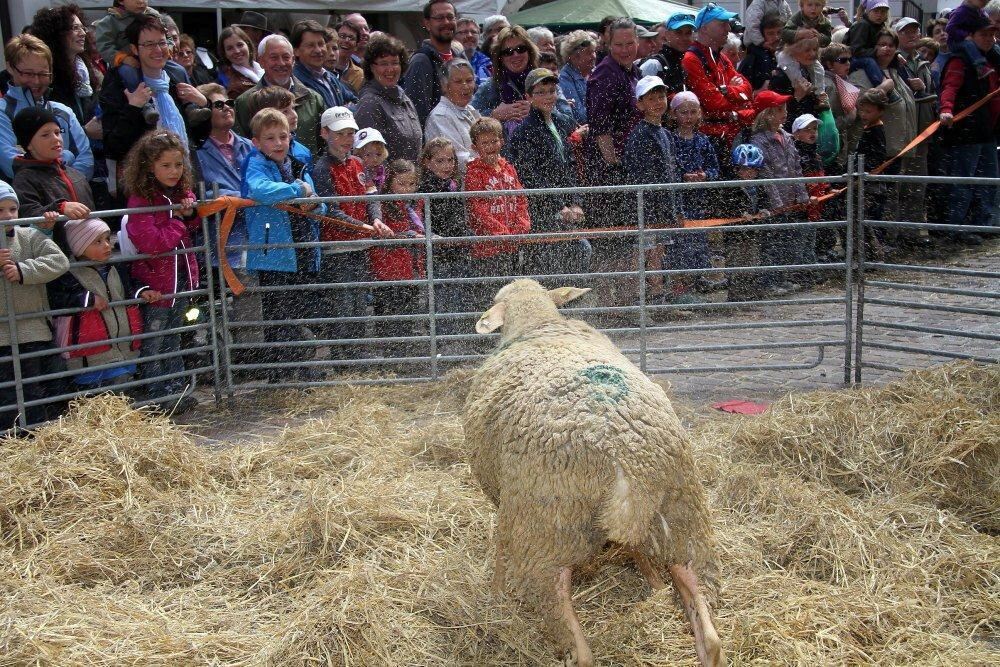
(29, 260)
(340, 174)
(805, 132)
(371, 149)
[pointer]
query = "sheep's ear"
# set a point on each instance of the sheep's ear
(492, 319)
(563, 295)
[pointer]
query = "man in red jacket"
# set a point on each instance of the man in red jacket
(726, 97)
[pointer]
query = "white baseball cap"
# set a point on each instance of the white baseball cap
(648, 83)
(903, 22)
(803, 121)
(367, 136)
(336, 119)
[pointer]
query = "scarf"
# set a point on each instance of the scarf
(83, 87)
(170, 115)
(848, 94)
(512, 86)
(254, 72)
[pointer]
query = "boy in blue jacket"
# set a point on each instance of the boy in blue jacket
(273, 174)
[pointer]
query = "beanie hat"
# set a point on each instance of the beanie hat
(81, 233)
(28, 122)
(7, 192)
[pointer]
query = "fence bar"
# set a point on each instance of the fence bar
(22, 416)
(910, 287)
(931, 330)
(917, 268)
(859, 225)
(933, 353)
(209, 277)
(849, 232)
(641, 224)
(431, 303)
(917, 305)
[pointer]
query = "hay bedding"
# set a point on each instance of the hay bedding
(848, 523)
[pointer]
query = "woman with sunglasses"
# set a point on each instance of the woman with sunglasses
(836, 61)
(502, 95)
(221, 156)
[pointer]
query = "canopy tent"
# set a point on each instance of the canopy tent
(563, 15)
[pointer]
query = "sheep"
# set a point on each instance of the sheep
(576, 448)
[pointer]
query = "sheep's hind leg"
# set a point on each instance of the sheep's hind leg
(648, 570)
(707, 641)
(580, 655)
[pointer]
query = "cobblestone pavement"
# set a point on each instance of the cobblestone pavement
(776, 326)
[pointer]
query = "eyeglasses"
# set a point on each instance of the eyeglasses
(467, 32)
(222, 104)
(443, 17)
(78, 28)
(162, 44)
(347, 38)
(519, 50)
(32, 75)
(185, 52)
(842, 60)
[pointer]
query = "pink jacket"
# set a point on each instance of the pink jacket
(160, 232)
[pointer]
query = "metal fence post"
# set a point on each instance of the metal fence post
(849, 272)
(227, 362)
(15, 357)
(429, 251)
(209, 277)
(641, 224)
(861, 245)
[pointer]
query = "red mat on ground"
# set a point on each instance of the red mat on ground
(741, 407)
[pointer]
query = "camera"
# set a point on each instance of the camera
(735, 26)
(831, 10)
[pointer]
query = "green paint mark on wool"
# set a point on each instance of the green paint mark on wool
(609, 382)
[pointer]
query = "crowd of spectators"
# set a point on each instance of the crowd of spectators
(129, 110)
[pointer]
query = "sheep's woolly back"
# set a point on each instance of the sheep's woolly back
(559, 415)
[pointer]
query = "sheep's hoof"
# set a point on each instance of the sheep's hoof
(571, 659)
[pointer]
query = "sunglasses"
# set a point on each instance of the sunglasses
(842, 60)
(519, 50)
(222, 104)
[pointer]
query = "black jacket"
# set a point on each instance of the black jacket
(758, 66)
(124, 124)
(780, 83)
(422, 81)
(672, 73)
(448, 218)
(542, 163)
(45, 186)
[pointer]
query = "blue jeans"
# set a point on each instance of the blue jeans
(871, 68)
(972, 203)
(155, 319)
(968, 50)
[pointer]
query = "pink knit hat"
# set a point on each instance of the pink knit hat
(81, 233)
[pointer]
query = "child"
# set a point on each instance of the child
(805, 132)
(340, 174)
(781, 160)
(493, 216)
(872, 103)
(370, 148)
(403, 217)
(862, 37)
(754, 15)
(45, 185)
(962, 22)
(94, 288)
(438, 173)
(282, 99)
(743, 248)
(28, 262)
(114, 46)
(809, 22)
(695, 161)
(649, 158)
(540, 152)
(157, 173)
(272, 174)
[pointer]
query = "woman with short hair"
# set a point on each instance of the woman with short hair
(185, 55)
(383, 103)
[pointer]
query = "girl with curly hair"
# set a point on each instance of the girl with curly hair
(157, 173)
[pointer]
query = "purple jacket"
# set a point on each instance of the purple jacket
(962, 21)
(160, 232)
(611, 102)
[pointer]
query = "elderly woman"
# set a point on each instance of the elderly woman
(543, 39)
(383, 103)
(185, 56)
(238, 71)
(74, 82)
(454, 115)
(804, 98)
(579, 53)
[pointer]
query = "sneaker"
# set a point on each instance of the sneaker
(971, 239)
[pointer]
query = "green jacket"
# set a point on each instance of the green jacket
(109, 32)
(308, 105)
(40, 260)
(821, 25)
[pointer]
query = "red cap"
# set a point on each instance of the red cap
(768, 99)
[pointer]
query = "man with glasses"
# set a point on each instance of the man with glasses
(349, 71)
(29, 65)
(422, 80)
(364, 33)
(666, 64)
(467, 34)
(177, 104)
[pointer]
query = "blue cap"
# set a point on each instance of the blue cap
(712, 12)
(679, 20)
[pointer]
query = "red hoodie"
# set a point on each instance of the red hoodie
(495, 216)
(726, 96)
